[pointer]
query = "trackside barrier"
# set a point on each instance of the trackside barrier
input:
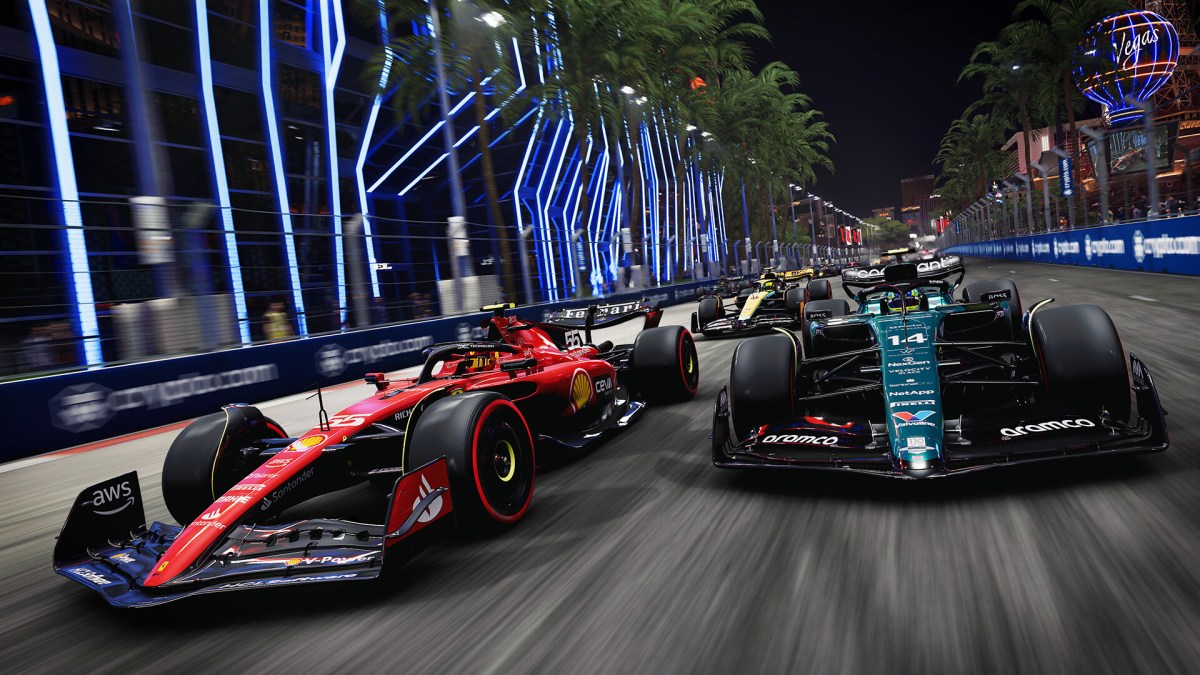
(61, 411)
(1169, 245)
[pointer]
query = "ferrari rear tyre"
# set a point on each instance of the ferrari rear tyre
(203, 461)
(489, 456)
(664, 364)
(1082, 360)
(818, 289)
(762, 380)
(974, 292)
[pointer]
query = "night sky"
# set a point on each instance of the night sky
(884, 75)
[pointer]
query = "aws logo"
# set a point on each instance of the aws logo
(111, 499)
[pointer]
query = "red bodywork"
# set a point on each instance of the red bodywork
(573, 380)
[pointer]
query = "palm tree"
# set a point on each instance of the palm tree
(968, 155)
(1010, 80)
(475, 62)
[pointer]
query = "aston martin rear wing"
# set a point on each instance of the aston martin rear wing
(594, 317)
(934, 270)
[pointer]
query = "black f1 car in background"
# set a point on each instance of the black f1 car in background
(915, 383)
(775, 300)
(457, 443)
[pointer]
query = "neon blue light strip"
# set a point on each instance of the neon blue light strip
(84, 307)
(360, 182)
(650, 196)
(333, 64)
(222, 183)
(421, 175)
(595, 221)
(533, 136)
(418, 144)
(289, 242)
(544, 205)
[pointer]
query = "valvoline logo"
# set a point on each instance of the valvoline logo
(919, 416)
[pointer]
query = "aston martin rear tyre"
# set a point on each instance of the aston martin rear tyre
(974, 292)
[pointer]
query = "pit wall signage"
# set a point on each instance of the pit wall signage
(61, 411)
(1168, 245)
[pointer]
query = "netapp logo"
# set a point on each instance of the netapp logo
(1060, 425)
(793, 439)
(332, 359)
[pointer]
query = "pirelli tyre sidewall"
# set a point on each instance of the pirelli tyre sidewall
(1082, 360)
(818, 289)
(665, 366)
(203, 461)
(793, 300)
(762, 380)
(489, 455)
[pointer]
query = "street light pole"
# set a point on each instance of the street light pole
(457, 226)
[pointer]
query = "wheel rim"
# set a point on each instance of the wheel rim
(504, 463)
(689, 363)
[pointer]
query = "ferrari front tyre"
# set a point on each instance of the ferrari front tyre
(664, 364)
(489, 456)
(1082, 360)
(762, 381)
(203, 461)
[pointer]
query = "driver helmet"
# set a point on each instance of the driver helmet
(909, 301)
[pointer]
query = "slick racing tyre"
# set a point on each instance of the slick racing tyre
(489, 456)
(203, 461)
(710, 310)
(1082, 360)
(819, 309)
(818, 289)
(742, 296)
(975, 292)
(664, 366)
(762, 381)
(793, 300)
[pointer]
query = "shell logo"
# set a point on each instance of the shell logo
(581, 389)
(309, 441)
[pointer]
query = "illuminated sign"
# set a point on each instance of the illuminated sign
(1123, 60)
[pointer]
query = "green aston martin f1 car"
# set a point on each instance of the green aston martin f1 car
(917, 383)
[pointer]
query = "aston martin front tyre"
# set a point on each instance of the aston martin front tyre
(203, 461)
(762, 380)
(664, 364)
(489, 456)
(1082, 360)
(984, 291)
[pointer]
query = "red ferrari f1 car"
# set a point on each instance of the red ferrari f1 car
(456, 444)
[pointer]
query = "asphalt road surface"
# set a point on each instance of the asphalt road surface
(642, 558)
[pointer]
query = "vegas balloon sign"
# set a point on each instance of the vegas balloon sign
(1123, 59)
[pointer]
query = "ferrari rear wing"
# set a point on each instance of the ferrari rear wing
(595, 317)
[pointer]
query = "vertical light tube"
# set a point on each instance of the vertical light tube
(276, 151)
(333, 64)
(84, 307)
(220, 179)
